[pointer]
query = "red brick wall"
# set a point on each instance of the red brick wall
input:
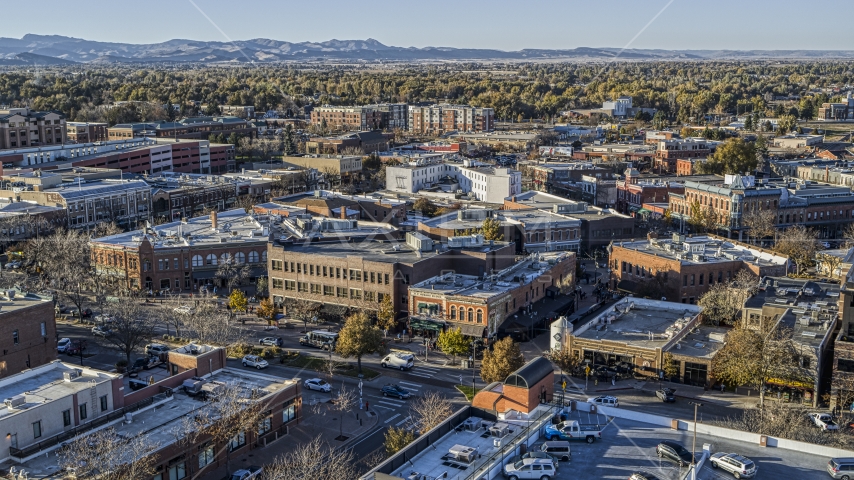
(31, 345)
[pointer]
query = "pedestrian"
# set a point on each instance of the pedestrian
(366, 406)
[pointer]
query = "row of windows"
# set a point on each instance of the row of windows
(210, 260)
(326, 290)
(330, 272)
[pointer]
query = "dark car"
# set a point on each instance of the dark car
(666, 395)
(271, 341)
(75, 347)
(395, 391)
(675, 452)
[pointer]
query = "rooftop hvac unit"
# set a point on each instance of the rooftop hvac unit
(70, 375)
(15, 402)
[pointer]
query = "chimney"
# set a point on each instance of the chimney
(213, 220)
(343, 212)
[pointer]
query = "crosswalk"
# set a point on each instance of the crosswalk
(423, 372)
(392, 404)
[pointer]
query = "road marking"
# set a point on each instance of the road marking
(388, 402)
(392, 417)
(383, 407)
(401, 422)
(418, 385)
(420, 375)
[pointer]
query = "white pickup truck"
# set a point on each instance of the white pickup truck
(572, 430)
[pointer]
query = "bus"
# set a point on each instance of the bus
(322, 339)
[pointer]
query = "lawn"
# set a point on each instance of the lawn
(319, 365)
(467, 390)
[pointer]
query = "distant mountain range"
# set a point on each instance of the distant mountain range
(35, 50)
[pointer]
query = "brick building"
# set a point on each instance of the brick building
(365, 142)
(522, 391)
(356, 264)
(671, 150)
(386, 116)
(688, 166)
(184, 256)
(479, 306)
(22, 128)
(195, 128)
(27, 331)
(86, 132)
(372, 208)
(442, 118)
(633, 192)
(683, 268)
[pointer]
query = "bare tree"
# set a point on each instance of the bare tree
(301, 309)
(429, 410)
(65, 262)
(209, 324)
(234, 274)
(312, 460)
(105, 229)
(799, 244)
(723, 303)
(132, 325)
(246, 202)
(785, 421)
(107, 455)
(760, 223)
(344, 403)
(848, 235)
(828, 264)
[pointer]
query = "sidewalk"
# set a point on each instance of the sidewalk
(318, 421)
(688, 392)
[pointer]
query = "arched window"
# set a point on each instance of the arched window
(225, 257)
(453, 312)
(471, 314)
(146, 266)
(253, 257)
(264, 256)
(197, 261)
(479, 316)
(240, 258)
(211, 259)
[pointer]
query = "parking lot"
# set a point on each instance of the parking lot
(628, 446)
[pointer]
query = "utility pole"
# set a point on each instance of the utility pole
(694, 444)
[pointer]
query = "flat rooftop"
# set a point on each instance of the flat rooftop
(369, 250)
(640, 322)
(703, 249)
(304, 226)
(46, 383)
(20, 300)
(233, 227)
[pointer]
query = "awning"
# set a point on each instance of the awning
(626, 286)
(633, 209)
(421, 324)
(470, 330)
(643, 211)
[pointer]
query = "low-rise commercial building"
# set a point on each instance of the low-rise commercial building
(184, 256)
(797, 141)
(370, 207)
(197, 128)
(633, 191)
(23, 128)
(683, 268)
(27, 331)
(485, 183)
(86, 132)
(669, 151)
(364, 142)
(344, 166)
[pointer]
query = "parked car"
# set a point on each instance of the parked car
(666, 395)
(841, 468)
(558, 449)
(534, 468)
(533, 454)
(738, 466)
(317, 384)
(398, 360)
(604, 401)
(271, 341)
(87, 313)
(63, 344)
(643, 476)
(823, 421)
(572, 430)
(101, 331)
(75, 347)
(146, 363)
(675, 452)
(184, 310)
(395, 391)
(103, 319)
(252, 471)
(255, 361)
(156, 349)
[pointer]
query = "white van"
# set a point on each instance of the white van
(403, 361)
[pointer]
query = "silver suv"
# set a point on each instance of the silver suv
(534, 468)
(738, 466)
(841, 468)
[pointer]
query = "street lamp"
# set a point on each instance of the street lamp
(473, 359)
(694, 444)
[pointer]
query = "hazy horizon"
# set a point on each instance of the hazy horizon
(508, 26)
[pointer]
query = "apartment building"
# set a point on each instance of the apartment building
(673, 149)
(825, 208)
(86, 132)
(240, 111)
(683, 268)
(479, 306)
(344, 166)
(442, 118)
(837, 111)
(184, 256)
(366, 142)
(386, 116)
(23, 128)
(27, 331)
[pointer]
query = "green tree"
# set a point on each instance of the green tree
(491, 229)
(290, 146)
(671, 368)
(748, 123)
(267, 310)
(504, 359)
(237, 301)
(425, 206)
(385, 315)
(659, 120)
(453, 342)
(734, 155)
(396, 439)
(564, 358)
(359, 338)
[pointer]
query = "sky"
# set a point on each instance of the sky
(495, 24)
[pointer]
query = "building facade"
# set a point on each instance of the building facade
(442, 118)
(86, 132)
(23, 128)
(388, 116)
(27, 331)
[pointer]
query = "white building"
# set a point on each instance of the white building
(485, 182)
(619, 107)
